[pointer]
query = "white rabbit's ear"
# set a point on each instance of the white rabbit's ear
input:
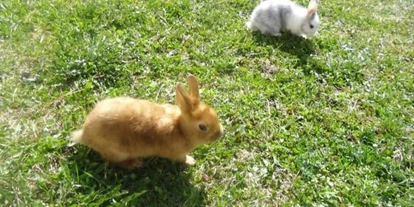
(312, 7)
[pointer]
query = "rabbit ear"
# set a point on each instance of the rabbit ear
(193, 86)
(312, 7)
(183, 99)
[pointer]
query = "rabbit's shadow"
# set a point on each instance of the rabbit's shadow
(297, 46)
(159, 182)
(286, 42)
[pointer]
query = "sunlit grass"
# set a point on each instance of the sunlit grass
(326, 121)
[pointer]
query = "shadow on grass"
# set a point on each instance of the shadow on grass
(287, 42)
(159, 182)
(339, 72)
(297, 46)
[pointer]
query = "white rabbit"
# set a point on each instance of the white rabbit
(272, 16)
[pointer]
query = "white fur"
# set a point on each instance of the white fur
(272, 16)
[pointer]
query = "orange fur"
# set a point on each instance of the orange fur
(124, 130)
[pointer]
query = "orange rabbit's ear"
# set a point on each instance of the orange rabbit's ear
(193, 86)
(182, 98)
(187, 103)
(312, 7)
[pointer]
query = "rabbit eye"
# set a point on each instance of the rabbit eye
(202, 127)
(311, 26)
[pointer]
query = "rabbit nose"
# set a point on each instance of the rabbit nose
(217, 135)
(222, 131)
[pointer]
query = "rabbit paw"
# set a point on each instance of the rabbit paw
(276, 34)
(189, 160)
(131, 164)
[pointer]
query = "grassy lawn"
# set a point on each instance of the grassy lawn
(327, 121)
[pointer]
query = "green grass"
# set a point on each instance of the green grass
(326, 121)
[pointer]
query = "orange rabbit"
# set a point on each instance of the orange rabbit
(125, 130)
